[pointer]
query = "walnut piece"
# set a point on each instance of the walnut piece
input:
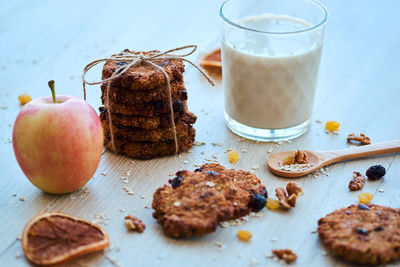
(133, 223)
(285, 254)
(358, 182)
(283, 198)
(364, 140)
(300, 157)
(294, 191)
(287, 198)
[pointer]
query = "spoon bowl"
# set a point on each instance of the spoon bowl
(319, 159)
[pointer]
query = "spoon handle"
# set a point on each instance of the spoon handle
(362, 151)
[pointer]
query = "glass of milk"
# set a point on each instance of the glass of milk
(271, 52)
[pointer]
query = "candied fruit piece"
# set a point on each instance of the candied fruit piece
(332, 126)
(365, 198)
(24, 99)
(244, 235)
(272, 204)
(233, 156)
(289, 160)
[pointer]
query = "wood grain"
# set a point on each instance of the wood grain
(358, 87)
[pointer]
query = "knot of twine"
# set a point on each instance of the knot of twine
(134, 59)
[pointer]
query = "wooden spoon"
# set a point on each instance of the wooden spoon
(320, 159)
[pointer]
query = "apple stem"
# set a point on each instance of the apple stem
(53, 92)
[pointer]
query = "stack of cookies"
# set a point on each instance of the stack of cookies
(140, 110)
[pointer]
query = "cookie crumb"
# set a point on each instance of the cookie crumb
(133, 223)
(285, 254)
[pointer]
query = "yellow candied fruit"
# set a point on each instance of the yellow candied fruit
(289, 160)
(272, 204)
(332, 126)
(24, 98)
(244, 235)
(233, 156)
(365, 198)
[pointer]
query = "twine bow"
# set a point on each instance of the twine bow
(134, 60)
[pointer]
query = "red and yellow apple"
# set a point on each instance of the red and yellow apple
(58, 142)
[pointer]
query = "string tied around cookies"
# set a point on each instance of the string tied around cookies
(133, 59)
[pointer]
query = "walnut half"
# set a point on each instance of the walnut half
(362, 138)
(287, 198)
(358, 182)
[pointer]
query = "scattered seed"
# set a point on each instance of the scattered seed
(21, 199)
(104, 173)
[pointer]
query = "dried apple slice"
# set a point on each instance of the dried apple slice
(55, 237)
(211, 62)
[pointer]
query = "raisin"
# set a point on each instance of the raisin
(258, 202)
(332, 126)
(178, 106)
(233, 156)
(212, 173)
(379, 228)
(365, 198)
(363, 207)
(157, 105)
(244, 235)
(376, 172)
(198, 170)
(176, 181)
(272, 204)
(362, 231)
(184, 94)
(122, 63)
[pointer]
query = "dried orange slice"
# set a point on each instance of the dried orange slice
(211, 62)
(55, 237)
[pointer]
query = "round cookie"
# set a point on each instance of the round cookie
(149, 150)
(123, 95)
(365, 234)
(149, 109)
(156, 135)
(147, 123)
(145, 76)
(197, 201)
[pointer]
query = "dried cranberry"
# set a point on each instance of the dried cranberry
(258, 202)
(363, 207)
(362, 231)
(178, 106)
(376, 172)
(176, 181)
(198, 170)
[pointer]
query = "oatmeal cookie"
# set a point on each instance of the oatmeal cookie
(197, 201)
(364, 234)
(145, 76)
(156, 135)
(149, 109)
(148, 150)
(123, 95)
(148, 123)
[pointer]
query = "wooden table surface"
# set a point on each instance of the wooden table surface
(359, 86)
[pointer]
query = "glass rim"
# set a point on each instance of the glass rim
(315, 3)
